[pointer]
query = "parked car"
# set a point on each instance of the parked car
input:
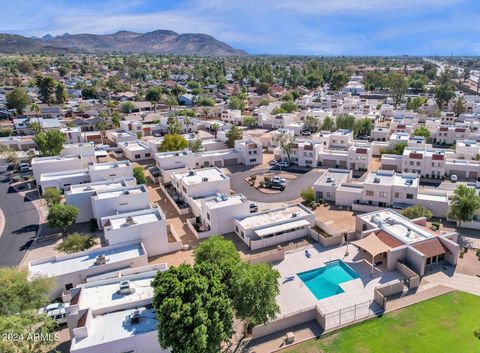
(306, 133)
(253, 207)
(51, 307)
(273, 162)
(24, 167)
(279, 179)
(275, 184)
(56, 311)
(282, 164)
(453, 178)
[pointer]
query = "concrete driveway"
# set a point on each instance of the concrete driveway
(291, 192)
(21, 223)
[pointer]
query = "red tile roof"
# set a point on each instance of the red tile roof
(388, 239)
(431, 247)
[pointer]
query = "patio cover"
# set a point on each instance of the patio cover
(373, 245)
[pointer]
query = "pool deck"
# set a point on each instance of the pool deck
(355, 301)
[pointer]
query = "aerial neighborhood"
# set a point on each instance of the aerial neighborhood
(238, 203)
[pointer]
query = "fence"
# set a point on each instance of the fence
(268, 257)
(347, 316)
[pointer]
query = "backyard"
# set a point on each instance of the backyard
(442, 324)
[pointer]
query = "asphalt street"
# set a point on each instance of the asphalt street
(21, 223)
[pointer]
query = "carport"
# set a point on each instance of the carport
(373, 245)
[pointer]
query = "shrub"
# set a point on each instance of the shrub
(52, 196)
(139, 175)
(267, 179)
(308, 195)
(76, 242)
(476, 332)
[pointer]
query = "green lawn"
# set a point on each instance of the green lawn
(441, 325)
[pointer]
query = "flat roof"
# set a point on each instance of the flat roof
(133, 190)
(134, 146)
(135, 218)
(333, 176)
(273, 216)
(97, 186)
(197, 176)
(225, 200)
(115, 326)
(397, 226)
(110, 165)
(104, 294)
(77, 262)
(281, 227)
(63, 175)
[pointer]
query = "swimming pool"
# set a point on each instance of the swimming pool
(324, 281)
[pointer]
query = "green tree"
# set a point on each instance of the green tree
(173, 142)
(173, 125)
(25, 67)
(62, 216)
(459, 106)
(345, 122)
(52, 196)
(127, 107)
(328, 124)
(206, 102)
(90, 92)
(311, 124)
(236, 103)
(398, 86)
(18, 292)
(464, 204)
(249, 121)
(5, 132)
(46, 89)
(154, 96)
(233, 135)
(170, 101)
(417, 211)
(76, 242)
(263, 88)
(288, 107)
(422, 131)
(50, 143)
(60, 93)
(116, 119)
(398, 149)
(255, 288)
(195, 145)
(214, 128)
(216, 250)
(195, 315)
(102, 126)
(444, 89)
(339, 80)
(35, 126)
(285, 142)
(18, 99)
(362, 127)
(139, 175)
(308, 195)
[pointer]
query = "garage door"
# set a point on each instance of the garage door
(231, 161)
(329, 162)
(218, 163)
(342, 164)
(458, 173)
(474, 175)
(389, 167)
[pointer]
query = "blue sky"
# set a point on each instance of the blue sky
(317, 27)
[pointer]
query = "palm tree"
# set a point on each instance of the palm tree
(187, 122)
(214, 128)
(205, 111)
(35, 108)
(102, 127)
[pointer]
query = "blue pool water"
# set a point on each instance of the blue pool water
(324, 281)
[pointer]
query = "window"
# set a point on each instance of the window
(410, 196)
(370, 193)
(68, 286)
(383, 194)
(253, 160)
(397, 195)
(147, 155)
(137, 156)
(208, 216)
(411, 163)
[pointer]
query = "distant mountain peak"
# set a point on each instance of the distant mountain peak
(156, 42)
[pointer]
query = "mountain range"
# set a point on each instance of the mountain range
(155, 42)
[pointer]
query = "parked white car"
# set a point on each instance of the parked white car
(453, 178)
(282, 164)
(56, 311)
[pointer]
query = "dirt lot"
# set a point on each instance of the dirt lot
(340, 220)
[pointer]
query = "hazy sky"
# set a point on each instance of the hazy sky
(323, 27)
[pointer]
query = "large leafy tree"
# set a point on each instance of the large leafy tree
(255, 288)
(362, 127)
(233, 135)
(18, 99)
(173, 142)
(345, 121)
(194, 312)
(60, 93)
(422, 131)
(139, 175)
(328, 124)
(285, 142)
(52, 196)
(417, 211)
(464, 204)
(444, 89)
(398, 86)
(76, 242)
(62, 216)
(236, 103)
(459, 106)
(311, 123)
(339, 80)
(50, 143)
(46, 89)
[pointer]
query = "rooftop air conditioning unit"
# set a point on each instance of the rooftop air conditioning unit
(100, 260)
(204, 179)
(329, 180)
(294, 215)
(134, 317)
(191, 172)
(130, 221)
(124, 287)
